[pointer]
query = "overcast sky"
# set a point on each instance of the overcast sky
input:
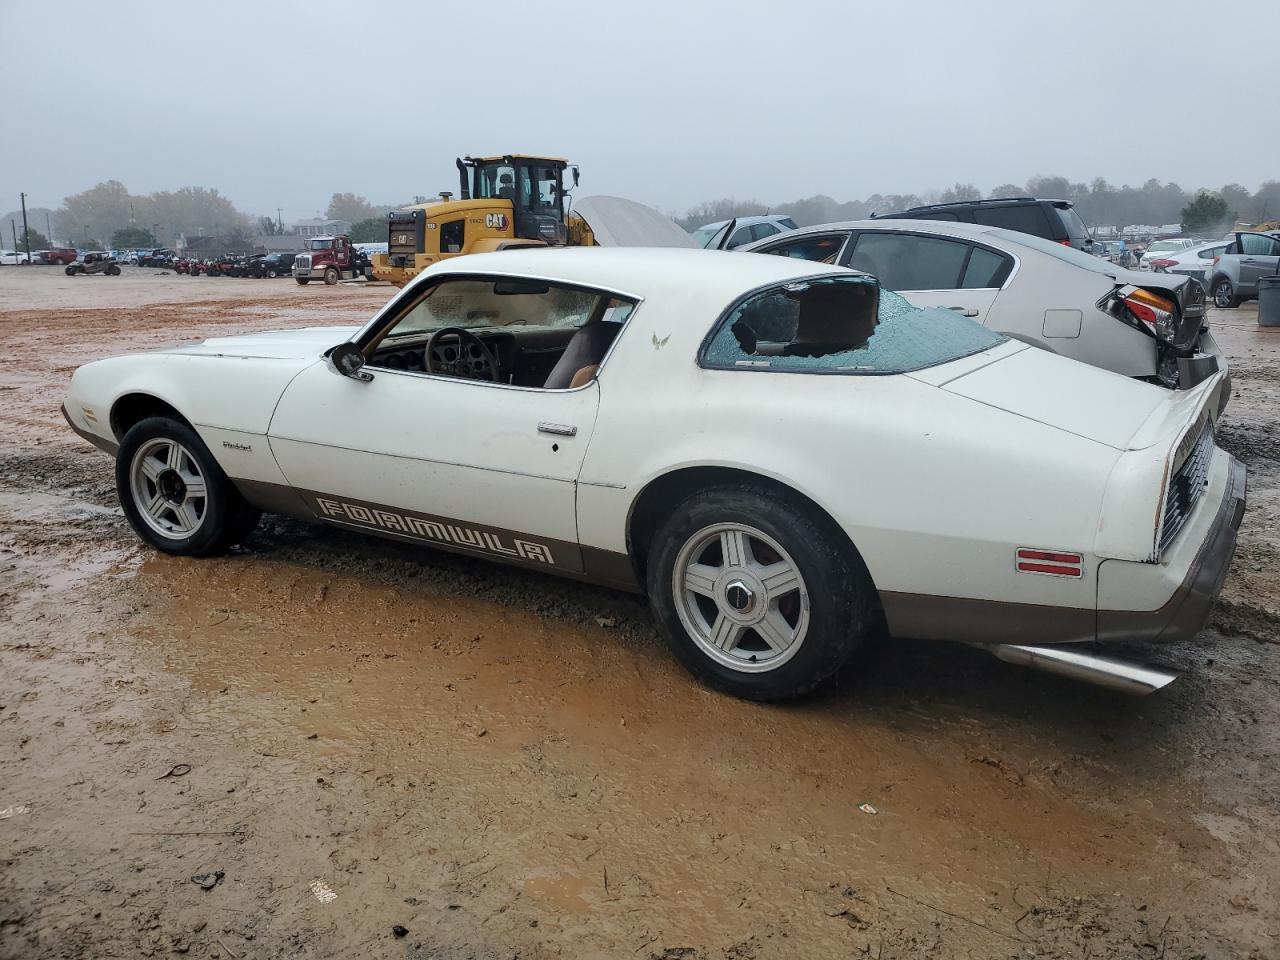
(280, 104)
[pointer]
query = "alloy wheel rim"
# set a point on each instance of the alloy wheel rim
(168, 489)
(1222, 296)
(741, 597)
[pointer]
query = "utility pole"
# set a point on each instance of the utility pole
(48, 230)
(279, 222)
(13, 226)
(26, 231)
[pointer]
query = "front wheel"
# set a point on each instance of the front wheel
(331, 276)
(271, 274)
(113, 271)
(70, 271)
(303, 281)
(175, 495)
(1224, 295)
(758, 595)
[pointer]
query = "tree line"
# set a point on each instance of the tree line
(1099, 203)
(109, 215)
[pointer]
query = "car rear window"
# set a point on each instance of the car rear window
(842, 325)
(1025, 218)
(1058, 251)
(1075, 227)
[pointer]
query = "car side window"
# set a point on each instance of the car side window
(1027, 218)
(904, 261)
(986, 269)
(823, 248)
(1259, 245)
(740, 236)
(839, 325)
(762, 230)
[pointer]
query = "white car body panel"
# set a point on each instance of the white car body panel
(936, 476)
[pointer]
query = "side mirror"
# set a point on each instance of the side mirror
(347, 359)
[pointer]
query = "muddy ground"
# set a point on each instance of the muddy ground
(509, 765)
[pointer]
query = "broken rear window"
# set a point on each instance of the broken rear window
(840, 325)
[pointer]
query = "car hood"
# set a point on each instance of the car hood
(1042, 386)
(303, 344)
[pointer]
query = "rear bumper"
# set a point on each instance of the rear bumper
(1189, 600)
(1185, 613)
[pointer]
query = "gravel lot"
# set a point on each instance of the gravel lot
(509, 765)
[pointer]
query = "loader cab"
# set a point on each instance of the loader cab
(533, 185)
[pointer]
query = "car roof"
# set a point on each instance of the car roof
(685, 279)
(944, 227)
(747, 221)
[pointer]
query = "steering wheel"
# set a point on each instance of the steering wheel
(465, 364)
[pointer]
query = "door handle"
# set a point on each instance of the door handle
(964, 311)
(558, 429)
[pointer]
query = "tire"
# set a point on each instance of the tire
(1224, 295)
(113, 271)
(194, 526)
(303, 281)
(271, 274)
(332, 276)
(214, 272)
(70, 271)
(824, 603)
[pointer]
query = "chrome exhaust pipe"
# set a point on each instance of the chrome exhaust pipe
(1133, 678)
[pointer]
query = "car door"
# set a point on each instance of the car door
(932, 271)
(1259, 255)
(470, 465)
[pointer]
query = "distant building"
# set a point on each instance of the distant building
(320, 228)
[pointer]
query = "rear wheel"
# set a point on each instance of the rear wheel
(70, 271)
(175, 495)
(113, 270)
(332, 276)
(758, 595)
(1224, 295)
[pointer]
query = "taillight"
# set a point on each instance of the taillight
(1215, 260)
(1065, 243)
(1161, 263)
(1157, 312)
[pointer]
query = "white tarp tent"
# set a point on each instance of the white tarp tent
(624, 223)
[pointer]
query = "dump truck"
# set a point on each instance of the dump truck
(504, 202)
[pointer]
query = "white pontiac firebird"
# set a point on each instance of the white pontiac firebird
(783, 457)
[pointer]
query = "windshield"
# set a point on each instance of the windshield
(1165, 245)
(704, 235)
(841, 325)
(477, 304)
(320, 245)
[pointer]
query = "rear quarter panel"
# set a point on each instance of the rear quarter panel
(936, 491)
(1043, 283)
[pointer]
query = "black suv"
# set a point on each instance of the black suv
(1054, 220)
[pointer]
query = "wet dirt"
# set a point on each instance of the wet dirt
(507, 764)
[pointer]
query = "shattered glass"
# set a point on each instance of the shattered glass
(765, 332)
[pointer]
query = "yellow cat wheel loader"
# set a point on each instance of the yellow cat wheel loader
(504, 202)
